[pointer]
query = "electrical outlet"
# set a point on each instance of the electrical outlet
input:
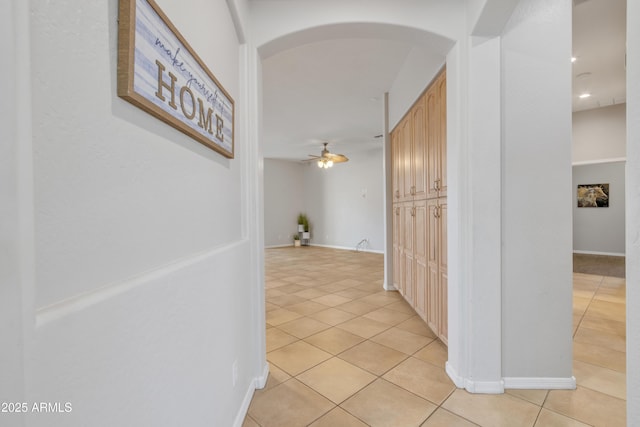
(234, 372)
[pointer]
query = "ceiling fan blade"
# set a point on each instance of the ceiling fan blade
(337, 158)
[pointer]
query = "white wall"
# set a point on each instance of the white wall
(16, 204)
(600, 230)
(141, 252)
(536, 195)
(345, 203)
(633, 213)
(112, 182)
(599, 134)
(418, 70)
(284, 199)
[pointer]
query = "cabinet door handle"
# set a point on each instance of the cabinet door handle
(413, 211)
(436, 184)
(397, 194)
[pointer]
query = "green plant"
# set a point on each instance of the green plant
(306, 224)
(301, 218)
(296, 237)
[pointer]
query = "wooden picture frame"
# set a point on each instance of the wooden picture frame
(160, 73)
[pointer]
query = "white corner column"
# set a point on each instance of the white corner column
(388, 198)
(254, 171)
(484, 293)
(536, 202)
(633, 213)
(474, 165)
(16, 206)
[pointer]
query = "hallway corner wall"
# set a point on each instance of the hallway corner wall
(16, 206)
(536, 180)
(600, 230)
(633, 213)
(145, 288)
(284, 199)
(345, 203)
(599, 134)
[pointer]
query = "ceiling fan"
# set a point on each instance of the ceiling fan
(326, 159)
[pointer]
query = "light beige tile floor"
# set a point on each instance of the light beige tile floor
(342, 353)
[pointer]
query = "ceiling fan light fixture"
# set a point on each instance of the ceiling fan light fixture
(324, 163)
(327, 159)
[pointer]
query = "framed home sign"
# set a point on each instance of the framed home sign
(160, 73)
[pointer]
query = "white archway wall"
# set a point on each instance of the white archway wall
(277, 24)
(275, 19)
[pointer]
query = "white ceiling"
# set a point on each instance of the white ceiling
(332, 90)
(327, 91)
(599, 40)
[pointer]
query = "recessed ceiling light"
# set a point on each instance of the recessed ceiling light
(584, 95)
(574, 59)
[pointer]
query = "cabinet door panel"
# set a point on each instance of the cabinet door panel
(442, 137)
(408, 251)
(443, 319)
(397, 248)
(433, 130)
(407, 148)
(432, 305)
(419, 160)
(420, 255)
(395, 165)
(443, 277)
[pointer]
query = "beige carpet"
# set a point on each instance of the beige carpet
(600, 265)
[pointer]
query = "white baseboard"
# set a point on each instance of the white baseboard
(457, 379)
(279, 246)
(479, 387)
(261, 381)
(345, 248)
(387, 287)
(257, 383)
(596, 162)
(484, 387)
(536, 383)
(598, 253)
(242, 412)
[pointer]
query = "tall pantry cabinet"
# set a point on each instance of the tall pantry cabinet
(419, 180)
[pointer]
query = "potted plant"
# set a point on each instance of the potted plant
(296, 240)
(305, 229)
(302, 218)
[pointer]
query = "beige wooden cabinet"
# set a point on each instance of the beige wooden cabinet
(437, 266)
(436, 101)
(418, 147)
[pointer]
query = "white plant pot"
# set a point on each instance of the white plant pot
(300, 228)
(296, 243)
(306, 235)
